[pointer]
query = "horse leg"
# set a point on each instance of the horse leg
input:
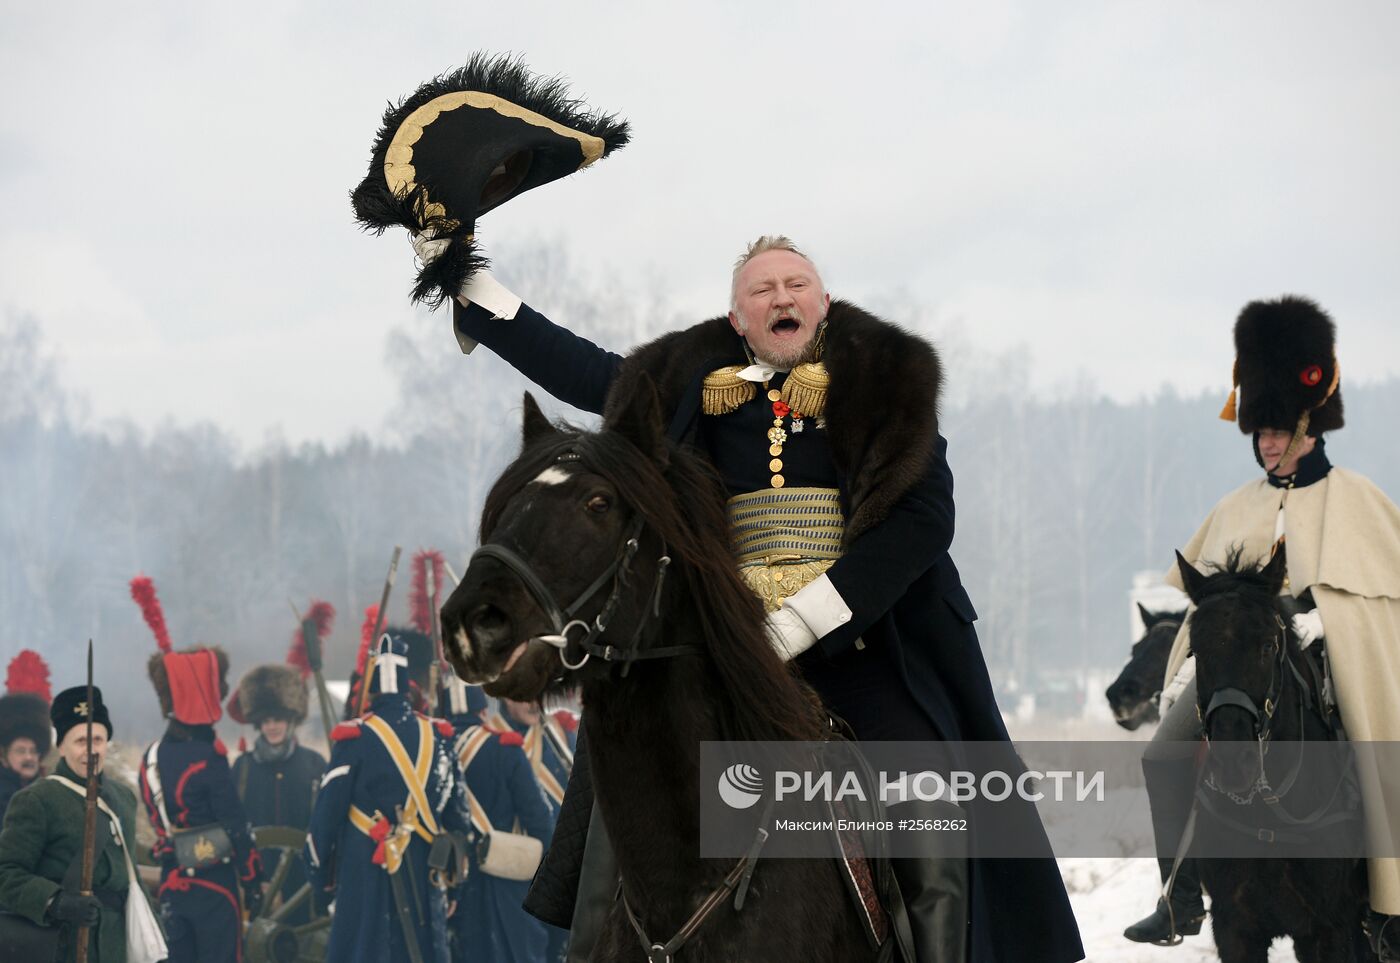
(1332, 944)
(1237, 945)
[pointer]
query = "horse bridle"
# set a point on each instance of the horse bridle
(563, 618)
(1232, 696)
(1308, 695)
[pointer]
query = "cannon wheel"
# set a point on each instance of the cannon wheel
(270, 939)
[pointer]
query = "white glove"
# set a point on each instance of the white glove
(788, 634)
(1308, 627)
(1178, 684)
(428, 246)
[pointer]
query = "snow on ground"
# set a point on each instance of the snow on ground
(1109, 894)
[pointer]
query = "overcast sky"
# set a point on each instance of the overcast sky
(1107, 183)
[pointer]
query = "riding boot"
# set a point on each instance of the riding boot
(934, 890)
(597, 891)
(1182, 916)
(1384, 933)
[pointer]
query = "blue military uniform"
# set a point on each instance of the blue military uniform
(491, 925)
(186, 787)
(389, 790)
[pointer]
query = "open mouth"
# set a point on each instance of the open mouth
(785, 326)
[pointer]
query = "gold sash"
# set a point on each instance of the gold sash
(785, 538)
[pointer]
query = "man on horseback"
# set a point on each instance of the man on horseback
(1341, 596)
(821, 421)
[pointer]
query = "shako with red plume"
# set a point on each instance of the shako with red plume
(190, 683)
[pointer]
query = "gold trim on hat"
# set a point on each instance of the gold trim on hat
(399, 172)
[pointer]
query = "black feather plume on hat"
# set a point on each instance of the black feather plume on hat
(466, 162)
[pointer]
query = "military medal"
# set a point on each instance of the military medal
(778, 436)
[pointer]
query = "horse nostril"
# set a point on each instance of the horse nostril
(488, 623)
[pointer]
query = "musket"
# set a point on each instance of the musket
(315, 659)
(379, 625)
(89, 817)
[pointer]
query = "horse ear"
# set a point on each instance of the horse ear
(1277, 569)
(1147, 616)
(638, 419)
(1192, 579)
(536, 425)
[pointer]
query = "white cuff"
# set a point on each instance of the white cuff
(1173, 689)
(492, 295)
(820, 606)
(789, 635)
(1308, 627)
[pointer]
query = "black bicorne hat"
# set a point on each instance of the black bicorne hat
(70, 708)
(1286, 368)
(466, 142)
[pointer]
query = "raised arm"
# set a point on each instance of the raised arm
(571, 368)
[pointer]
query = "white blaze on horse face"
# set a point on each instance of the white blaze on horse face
(464, 643)
(553, 475)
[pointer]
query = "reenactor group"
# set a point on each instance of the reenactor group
(421, 833)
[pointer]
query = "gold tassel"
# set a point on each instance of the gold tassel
(724, 391)
(805, 389)
(1300, 431)
(1228, 413)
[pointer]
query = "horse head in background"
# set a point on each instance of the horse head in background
(1134, 695)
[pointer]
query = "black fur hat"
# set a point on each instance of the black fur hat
(24, 715)
(70, 708)
(467, 142)
(1285, 368)
(274, 691)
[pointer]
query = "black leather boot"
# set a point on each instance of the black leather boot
(1166, 924)
(1384, 933)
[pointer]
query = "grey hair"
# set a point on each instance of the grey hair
(766, 243)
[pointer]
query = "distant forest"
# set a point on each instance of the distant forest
(1061, 497)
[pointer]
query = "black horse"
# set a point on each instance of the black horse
(609, 553)
(1260, 701)
(1134, 695)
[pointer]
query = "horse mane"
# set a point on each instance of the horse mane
(1237, 576)
(683, 504)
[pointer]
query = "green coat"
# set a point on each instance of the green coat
(43, 836)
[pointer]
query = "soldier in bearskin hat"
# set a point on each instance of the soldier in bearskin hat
(1340, 601)
(277, 778)
(41, 846)
(25, 736)
(390, 793)
(211, 869)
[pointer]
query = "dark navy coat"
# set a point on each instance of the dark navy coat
(362, 777)
(919, 673)
(491, 925)
(279, 793)
(197, 791)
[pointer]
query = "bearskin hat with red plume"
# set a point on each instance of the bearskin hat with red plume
(1286, 368)
(190, 683)
(276, 691)
(24, 708)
